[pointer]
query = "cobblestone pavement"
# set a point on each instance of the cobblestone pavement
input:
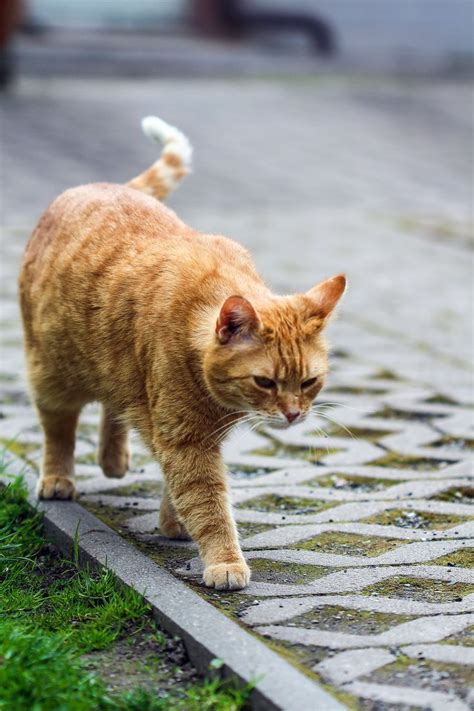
(358, 524)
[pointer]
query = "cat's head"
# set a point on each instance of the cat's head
(271, 359)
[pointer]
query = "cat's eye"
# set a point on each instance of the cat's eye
(308, 383)
(264, 382)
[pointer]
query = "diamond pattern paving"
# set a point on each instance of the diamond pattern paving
(362, 541)
(358, 523)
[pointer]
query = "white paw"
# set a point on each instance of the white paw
(55, 487)
(227, 576)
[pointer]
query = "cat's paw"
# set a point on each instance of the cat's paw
(174, 529)
(227, 576)
(55, 487)
(114, 464)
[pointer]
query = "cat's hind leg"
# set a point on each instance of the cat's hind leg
(57, 473)
(113, 455)
(170, 525)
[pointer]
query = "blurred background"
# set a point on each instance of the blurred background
(329, 135)
(153, 37)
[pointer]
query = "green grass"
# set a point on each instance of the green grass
(52, 612)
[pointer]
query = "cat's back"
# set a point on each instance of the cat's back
(103, 228)
(98, 219)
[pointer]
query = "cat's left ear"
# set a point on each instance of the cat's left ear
(323, 298)
(237, 319)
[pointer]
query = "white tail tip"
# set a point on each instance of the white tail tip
(171, 137)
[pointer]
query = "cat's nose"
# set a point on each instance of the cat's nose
(292, 415)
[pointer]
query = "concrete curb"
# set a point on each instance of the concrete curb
(206, 632)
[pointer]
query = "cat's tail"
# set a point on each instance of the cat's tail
(173, 164)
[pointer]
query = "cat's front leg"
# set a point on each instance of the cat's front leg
(197, 485)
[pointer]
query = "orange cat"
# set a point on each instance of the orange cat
(174, 332)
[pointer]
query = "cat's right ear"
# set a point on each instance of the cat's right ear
(237, 319)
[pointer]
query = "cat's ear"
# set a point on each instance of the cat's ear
(322, 299)
(237, 319)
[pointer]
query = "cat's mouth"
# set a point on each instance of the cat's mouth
(282, 423)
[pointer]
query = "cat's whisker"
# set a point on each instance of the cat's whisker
(327, 403)
(222, 431)
(228, 424)
(339, 424)
(325, 435)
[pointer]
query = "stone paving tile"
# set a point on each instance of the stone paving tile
(347, 666)
(291, 535)
(281, 609)
(424, 629)
(432, 700)
(351, 581)
(410, 553)
(441, 653)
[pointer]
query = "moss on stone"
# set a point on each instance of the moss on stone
(420, 589)
(461, 443)
(439, 399)
(340, 353)
(169, 556)
(115, 518)
(352, 482)
(277, 449)
(371, 435)
(272, 571)
(86, 429)
(392, 413)
(423, 673)
(248, 472)
(465, 638)
(337, 543)
(291, 505)
(8, 378)
(15, 397)
(412, 519)
(463, 558)
(386, 374)
(338, 619)
(232, 604)
(21, 449)
(460, 495)
(141, 460)
(143, 489)
(251, 529)
(354, 390)
(394, 460)
(89, 458)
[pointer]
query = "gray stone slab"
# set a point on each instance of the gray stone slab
(413, 489)
(347, 666)
(447, 653)
(407, 554)
(123, 502)
(421, 630)
(433, 700)
(288, 535)
(280, 609)
(355, 579)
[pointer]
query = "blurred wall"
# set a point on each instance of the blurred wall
(404, 27)
(418, 26)
(110, 13)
